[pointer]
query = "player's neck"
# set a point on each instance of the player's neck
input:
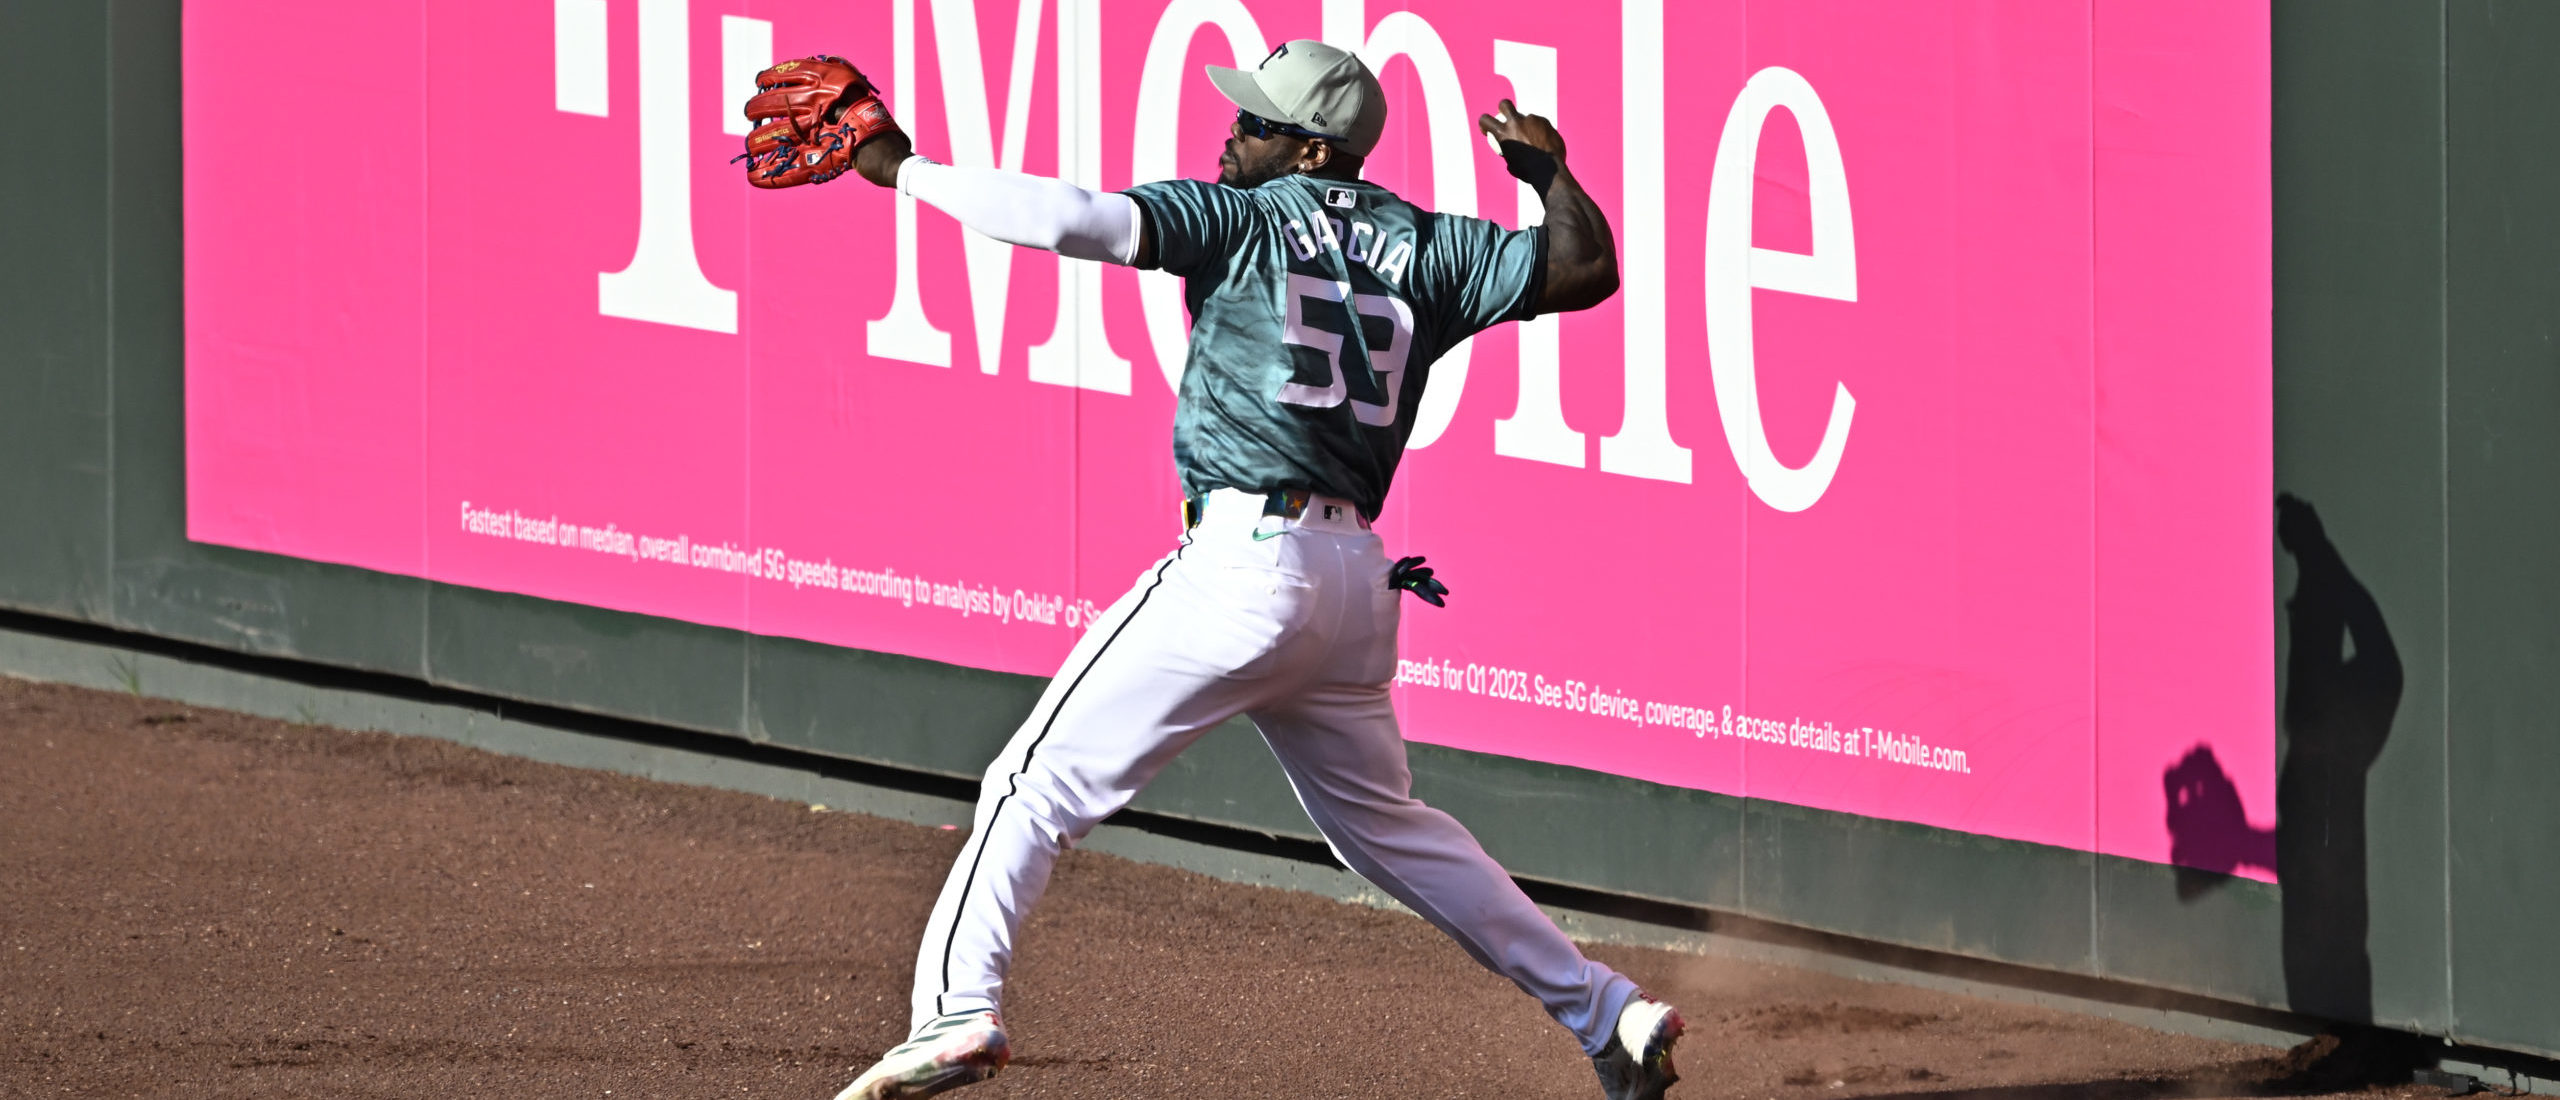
(1339, 166)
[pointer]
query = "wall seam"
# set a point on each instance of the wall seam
(426, 336)
(747, 439)
(2444, 477)
(114, 613)
(2097, 637)
(1742, 679)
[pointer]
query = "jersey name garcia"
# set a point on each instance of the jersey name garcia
(1317, 309)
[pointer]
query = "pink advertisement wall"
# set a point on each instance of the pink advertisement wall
(1921, 469)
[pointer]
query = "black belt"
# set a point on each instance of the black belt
(1285, 503)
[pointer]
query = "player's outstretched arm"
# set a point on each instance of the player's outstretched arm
(1013, 207)
(1582, 255)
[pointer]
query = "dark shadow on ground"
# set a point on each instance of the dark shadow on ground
(2085, 1090)
(2090, 1090)
(2314, 1067)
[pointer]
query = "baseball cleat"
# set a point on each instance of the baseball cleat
(1636, 1065)
(944, 1054)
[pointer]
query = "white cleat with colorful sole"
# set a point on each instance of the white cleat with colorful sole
(944, 1054)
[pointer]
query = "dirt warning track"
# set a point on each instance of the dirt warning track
(203, 904)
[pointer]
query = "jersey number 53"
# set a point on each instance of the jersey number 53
(1320, 318)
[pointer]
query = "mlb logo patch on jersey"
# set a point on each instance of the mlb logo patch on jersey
(1341, 198)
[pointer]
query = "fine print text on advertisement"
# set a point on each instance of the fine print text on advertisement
(910, 589)
(1575, 696)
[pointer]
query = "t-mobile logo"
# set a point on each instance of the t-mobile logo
(664, 282)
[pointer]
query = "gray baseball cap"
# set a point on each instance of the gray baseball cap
(1312, 86)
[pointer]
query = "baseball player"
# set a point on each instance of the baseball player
(1318, 303)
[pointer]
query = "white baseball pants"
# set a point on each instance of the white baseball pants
(1289, 622)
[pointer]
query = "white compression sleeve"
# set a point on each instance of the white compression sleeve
(1031, 211)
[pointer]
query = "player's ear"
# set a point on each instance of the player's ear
(1315, 155)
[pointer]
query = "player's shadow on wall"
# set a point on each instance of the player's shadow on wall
(2343, 681)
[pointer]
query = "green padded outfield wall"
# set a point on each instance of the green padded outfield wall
(2417, 217)
(2501, 488)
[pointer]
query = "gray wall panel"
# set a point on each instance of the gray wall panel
(2503, 291)
(55, 399)
(586, 658)
(1909, 884)
(1586, 828)
(252, 602)
(880, 707)
(2191, 931)
(2359, 335)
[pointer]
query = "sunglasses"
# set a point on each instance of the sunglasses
(1255, 126)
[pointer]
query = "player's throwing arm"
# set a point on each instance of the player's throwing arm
(1582, 256)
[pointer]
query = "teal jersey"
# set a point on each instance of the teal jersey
(1317, 309)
